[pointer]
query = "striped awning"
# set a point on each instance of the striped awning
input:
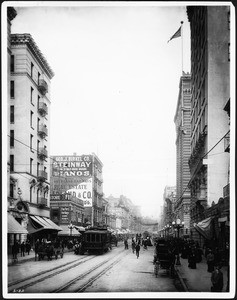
(38, 223)
(13, 226)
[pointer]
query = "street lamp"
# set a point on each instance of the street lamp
(177, 225)
(70, 226)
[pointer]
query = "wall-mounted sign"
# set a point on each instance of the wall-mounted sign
(72, 166)
(83, 191)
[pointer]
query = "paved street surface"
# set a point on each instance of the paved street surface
(134, 274)
(131, 275)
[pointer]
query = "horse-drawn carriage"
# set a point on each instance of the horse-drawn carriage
(165, 257)
(49, 250)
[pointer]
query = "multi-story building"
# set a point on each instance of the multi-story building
(95, 215)
(127, 215)
(210, 80)
(29, 104)
(169, 199)
(15, 230)
(80, 176)
(182, 125)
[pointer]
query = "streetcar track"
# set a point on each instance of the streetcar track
(92, 279)
(62, 267)
(38, 274)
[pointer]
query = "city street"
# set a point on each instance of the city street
(118, 270)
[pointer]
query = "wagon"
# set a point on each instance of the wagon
(49, 250)
(165, 258)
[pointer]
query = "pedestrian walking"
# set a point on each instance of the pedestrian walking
(210, 262)
(14, 251)
(28, 247)
(125, 244)
(37, 244)
(23, 248)
(137, 250)
(192, 260)
(217, 280)
(133, 245)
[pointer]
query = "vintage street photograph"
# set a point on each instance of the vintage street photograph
(118, 149)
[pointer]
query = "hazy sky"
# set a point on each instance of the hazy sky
(115, 87)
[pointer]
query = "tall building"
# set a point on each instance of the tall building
(167, 215)
(28, 132)
(210, 80)
(183, 128)
(79, 176)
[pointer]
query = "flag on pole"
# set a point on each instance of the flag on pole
(177, 34)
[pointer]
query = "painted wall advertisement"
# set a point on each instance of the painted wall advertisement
(72, 166)
(83, 191)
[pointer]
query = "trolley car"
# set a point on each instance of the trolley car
(96, 240)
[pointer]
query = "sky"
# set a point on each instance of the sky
(115, 88)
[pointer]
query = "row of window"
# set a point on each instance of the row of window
(12, 68)
(39, 168)
(12, 118)
(12, 93)
(38, 192)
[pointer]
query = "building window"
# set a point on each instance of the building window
(12, 63)
(12, 89)
(38, 145)
(11, 163)
(11, 190)
(31, 142)
(31, 165)
(228, 20)
(38, 77)
(38, 101)
(38, 123)
(12, 114)
(228, 51)
(31, 70)
(31, 118)
(38, 166)
(11, 138)
(38, 191)
(31, 94)
(31, 192)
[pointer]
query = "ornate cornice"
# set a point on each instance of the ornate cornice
(26, 39)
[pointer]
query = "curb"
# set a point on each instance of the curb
(181, 280)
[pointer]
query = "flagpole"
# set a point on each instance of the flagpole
(182, 45)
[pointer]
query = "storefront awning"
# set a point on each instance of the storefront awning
(68, 232)
(204, 228)
(13, 226)
(80, 228)
(38, 223)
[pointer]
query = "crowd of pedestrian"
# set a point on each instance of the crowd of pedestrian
(20, 248)
(194, 253)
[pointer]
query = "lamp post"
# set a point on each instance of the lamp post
(70, 226)
(177, 225)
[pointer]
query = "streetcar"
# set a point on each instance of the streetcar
(96, 240)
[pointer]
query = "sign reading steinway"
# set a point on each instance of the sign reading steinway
(72, 166)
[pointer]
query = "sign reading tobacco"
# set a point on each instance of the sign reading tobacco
(72, 166)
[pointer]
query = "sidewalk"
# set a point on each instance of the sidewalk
(197, 280)
(31, 256)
